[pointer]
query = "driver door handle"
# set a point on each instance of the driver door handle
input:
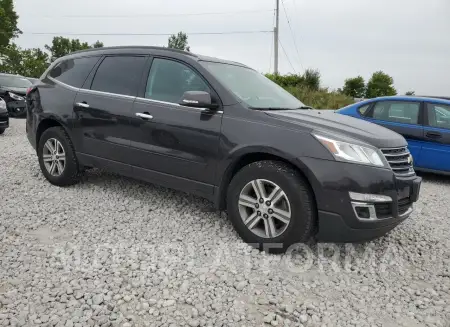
(144, 115)
(82, 104)
(434, 135)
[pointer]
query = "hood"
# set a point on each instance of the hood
(344, 126)
(17, 90)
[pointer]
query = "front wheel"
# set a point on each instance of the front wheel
(2, 130)
(271, 206)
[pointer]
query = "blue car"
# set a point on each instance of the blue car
(423, 121)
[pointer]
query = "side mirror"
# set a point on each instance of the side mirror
(197, 99)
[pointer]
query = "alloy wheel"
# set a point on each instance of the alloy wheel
(54, 157)
(264, 208)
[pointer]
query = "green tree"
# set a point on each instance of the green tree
(62, 46)
(8, 23)
(179, 41)
(11, 59)
(34, 62)
(410, 93)
(98, 44)
(311, 79)
(380, 84)
(28, 62)
(354, 87)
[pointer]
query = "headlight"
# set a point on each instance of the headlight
(15, 96)
(3, 106)
(349, 152)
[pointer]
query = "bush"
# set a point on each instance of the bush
(307, 89)
(310, 79)
(287, 80)
(320, 99)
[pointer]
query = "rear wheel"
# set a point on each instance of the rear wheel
(2, 130)
(57, 157)
(271, 206)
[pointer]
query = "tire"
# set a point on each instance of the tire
(297, 199)
(70, 174)
(2, 130)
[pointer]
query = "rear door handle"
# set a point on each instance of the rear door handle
(144, 115)
(82, 104)
(434, 135)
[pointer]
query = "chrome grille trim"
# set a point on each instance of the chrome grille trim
(398, 160)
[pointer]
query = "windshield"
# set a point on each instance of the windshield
(14, 81)
(253, 88)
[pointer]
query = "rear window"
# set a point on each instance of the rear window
(119, 75)
(74, 71)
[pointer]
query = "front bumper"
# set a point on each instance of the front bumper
(4, 120)
(338, 220)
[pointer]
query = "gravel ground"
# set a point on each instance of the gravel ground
(112, 251)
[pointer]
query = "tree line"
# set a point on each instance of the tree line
(380, 84)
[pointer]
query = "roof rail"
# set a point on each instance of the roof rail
(136, 47)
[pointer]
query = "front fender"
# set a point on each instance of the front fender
(244, 155)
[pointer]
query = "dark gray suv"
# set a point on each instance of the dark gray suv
(222, 131)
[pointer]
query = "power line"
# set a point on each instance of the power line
(285, 53)
(162, 15)
(143, 34)
(292, 34)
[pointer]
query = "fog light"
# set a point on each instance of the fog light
(364, 197)
(362, 212)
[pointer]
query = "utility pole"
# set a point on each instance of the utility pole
(275, 37)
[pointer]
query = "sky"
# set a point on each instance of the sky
(408, 39)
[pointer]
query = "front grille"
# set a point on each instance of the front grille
(384, 210)
(400, 160)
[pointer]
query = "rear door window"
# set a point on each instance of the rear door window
(74, 72)
(438, 115)
(397, 111)
(119, 75)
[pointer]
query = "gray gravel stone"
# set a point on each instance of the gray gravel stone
(97, 299)
(241, 285)
(111, 247)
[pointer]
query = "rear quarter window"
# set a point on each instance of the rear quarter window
(74, 72)
(363, 109)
